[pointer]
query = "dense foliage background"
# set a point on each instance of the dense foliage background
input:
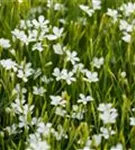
(67, 74)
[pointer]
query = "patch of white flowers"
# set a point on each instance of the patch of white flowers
(122, 16)
(96, 5)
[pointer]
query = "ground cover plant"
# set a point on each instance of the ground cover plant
(67, 75)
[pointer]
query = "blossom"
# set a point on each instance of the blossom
(60, 134)
(46, 80)
(72, 57)
(96, 4)
(35, 143)
(64, 75)
(57, 100)
(21, 36)
(132, 121)
(23, 122)
(68, 76)
(123, 74)
(87, 145)
(108, 114)
(4, 43)
(112, 13)
(106, 132)
(40, 23)
(117, 147)
(38, 91)
(58, 74)
(37, 46)
(59, 7)
(79, 67)
(25, 71)
(84, 99)
(32, 35)
(103, 107)
(91, 76)
(98, 62)
(96, 139)
(57, 33)
(58, 49)
(60, 111)
(11, 129)
(87, 10)
(127, 37)
(78, 112)
(44, 129)
(128, 8)
(125, 26)
(8, 64)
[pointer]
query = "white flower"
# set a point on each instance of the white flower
(64, 75)
(44, 129)
(106, 132)
(98, 62)
(128, 8)
(78, 68)
(38, 91)
(43, 34)
(127, 37)
(91, 76)
(21, 36)
(57, 33)
(96, 139)
(63, 21)
(109, 117)
(87, 145)
(38, 145)
(4, 43)
(41, 23)
(11, 129)
(68, 76)
(60, 134)
(25, 71)
(12, 51)
(108, 114)
(123, 74)
(84, 99)
(77, 113)
(8, 64)
(72, 57)
(57, 73)
(57, 100)
(37, 46)
(16, 106)
(103, 107)
(23, 122)
(125, 26)
(46, 80)
(25, 24)
(117, 147)
(112, 13)
(132, 121)
(96, 4)
(87, 10)
(60, 111)
(18, 90)
(58, 49)
(32, 35)
(59, 7)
